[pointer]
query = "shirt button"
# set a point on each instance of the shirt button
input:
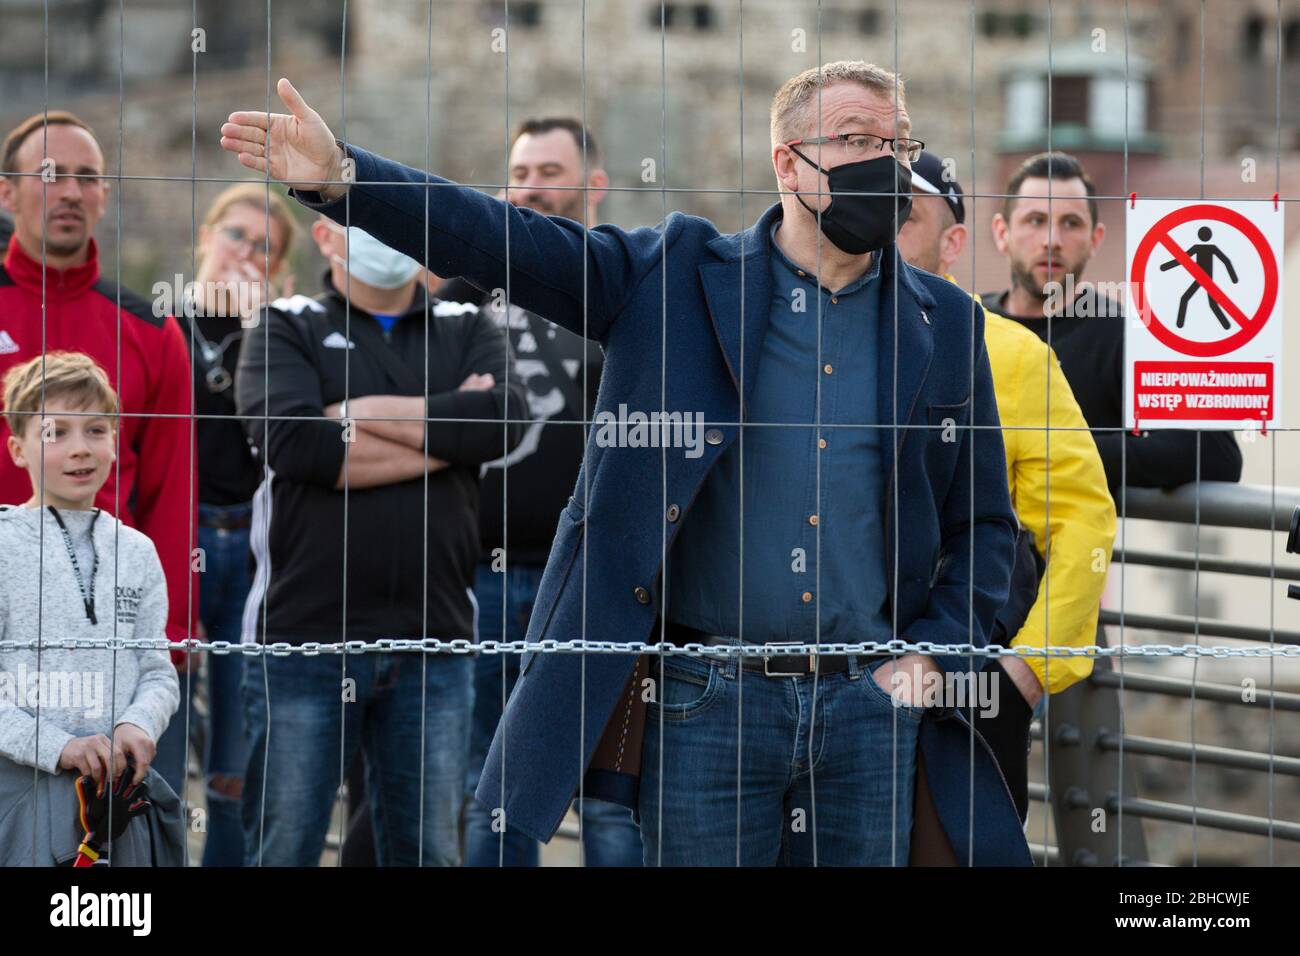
(827, 368)
(673, 512)
(812, 520)
(642, 596)
(807, 596)
(713, 436)
(834, 300)
(801, 272)
(821, 443)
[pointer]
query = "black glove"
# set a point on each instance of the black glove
(128, 800)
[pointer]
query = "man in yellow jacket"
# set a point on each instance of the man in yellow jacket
(1058, 488)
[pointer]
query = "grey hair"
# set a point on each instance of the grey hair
(794, 108)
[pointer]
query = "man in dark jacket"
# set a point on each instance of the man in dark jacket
(875, 500)
(366, 528)
(1048, 243)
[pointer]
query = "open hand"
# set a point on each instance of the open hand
(301, 152)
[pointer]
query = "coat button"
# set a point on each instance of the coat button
(713, 436)
(642, 596)
(674, 512)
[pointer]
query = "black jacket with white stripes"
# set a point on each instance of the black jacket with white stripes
(310, 353)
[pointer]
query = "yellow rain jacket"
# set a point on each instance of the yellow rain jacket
(1049, 449)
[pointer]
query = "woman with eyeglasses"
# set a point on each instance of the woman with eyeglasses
(241, 264)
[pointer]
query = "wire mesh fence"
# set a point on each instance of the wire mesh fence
(735, 577)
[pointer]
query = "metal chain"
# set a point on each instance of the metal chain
(465, 646)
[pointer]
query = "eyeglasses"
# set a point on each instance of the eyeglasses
(260, 245)
(857, 145)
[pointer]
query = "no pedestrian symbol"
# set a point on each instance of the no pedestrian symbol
(1203, 283)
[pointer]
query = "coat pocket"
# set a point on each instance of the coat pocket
(946, 421)
(565, 552)
(947, 429)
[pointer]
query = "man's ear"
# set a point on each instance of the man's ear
(999, 227)
(597, 185)
(783, 163)
(320, 234)
(1098, 234)
(951, 244)
(8, 201)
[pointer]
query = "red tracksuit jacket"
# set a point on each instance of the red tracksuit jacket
(152, 485)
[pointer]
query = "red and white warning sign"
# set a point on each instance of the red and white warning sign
(1203, 345)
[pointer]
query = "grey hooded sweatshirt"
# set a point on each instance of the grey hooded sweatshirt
(82, 691)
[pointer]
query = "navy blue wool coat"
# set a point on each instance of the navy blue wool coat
(681, 310)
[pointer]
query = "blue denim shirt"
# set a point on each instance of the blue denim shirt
(785, 466)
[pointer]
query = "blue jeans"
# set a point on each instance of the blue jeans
(609, 835)
(834, 769)
(172, 757)
(302, 736)
(223, 588)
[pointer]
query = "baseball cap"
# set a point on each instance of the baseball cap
(927, 176)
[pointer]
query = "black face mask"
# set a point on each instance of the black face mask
(858, 224)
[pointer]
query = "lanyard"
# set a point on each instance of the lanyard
(87, 597)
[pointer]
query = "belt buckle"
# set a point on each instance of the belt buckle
(767, 660)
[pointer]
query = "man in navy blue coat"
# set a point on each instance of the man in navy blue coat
(848, 487)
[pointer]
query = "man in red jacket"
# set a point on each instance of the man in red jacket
(52, 183)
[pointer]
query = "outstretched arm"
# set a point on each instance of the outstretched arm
(576, 277)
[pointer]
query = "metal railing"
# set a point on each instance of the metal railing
(1086, 771)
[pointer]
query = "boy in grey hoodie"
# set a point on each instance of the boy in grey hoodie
(70, 570)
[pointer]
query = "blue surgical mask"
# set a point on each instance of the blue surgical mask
(370, 261)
